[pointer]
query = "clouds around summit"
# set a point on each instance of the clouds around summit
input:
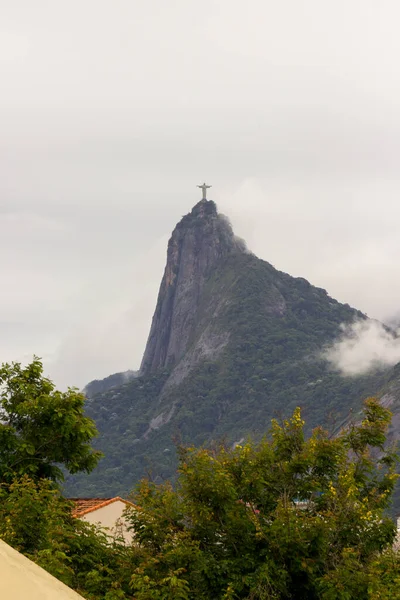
(112, 113)
(363, 347)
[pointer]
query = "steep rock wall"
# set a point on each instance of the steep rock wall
(199, 241)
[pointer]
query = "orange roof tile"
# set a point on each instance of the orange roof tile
(83, 506)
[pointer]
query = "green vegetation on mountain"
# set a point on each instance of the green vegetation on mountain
(103, 385)
(276, 327)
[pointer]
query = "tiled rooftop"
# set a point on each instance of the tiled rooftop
(83, 506)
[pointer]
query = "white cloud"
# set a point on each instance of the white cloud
(364, 346)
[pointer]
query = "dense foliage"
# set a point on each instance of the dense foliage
(280, 519)
(277, 327)
(41, 429)
(287, 518)
(36, 520)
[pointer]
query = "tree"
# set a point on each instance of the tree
(37, 521)
(286, 518)
(41, 431)
(41, 428)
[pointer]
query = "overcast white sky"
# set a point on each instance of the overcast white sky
(112, 111)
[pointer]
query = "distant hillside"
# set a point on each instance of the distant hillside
(234, 342)
(99, 386)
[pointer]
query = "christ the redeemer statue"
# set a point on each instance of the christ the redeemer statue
(204, 187)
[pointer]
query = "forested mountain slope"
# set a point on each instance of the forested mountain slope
(234, 342)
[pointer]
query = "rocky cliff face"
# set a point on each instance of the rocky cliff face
(198, 243)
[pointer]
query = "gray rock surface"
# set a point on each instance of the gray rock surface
(199, 241)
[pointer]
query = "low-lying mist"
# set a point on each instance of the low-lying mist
(363, 346)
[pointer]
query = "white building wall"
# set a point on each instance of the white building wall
(110, 518)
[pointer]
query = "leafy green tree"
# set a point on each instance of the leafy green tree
(36, 520)
(41, 428)
(287, 518)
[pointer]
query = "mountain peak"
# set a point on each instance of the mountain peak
(204, 207)
(233, 343)
(198, 243)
